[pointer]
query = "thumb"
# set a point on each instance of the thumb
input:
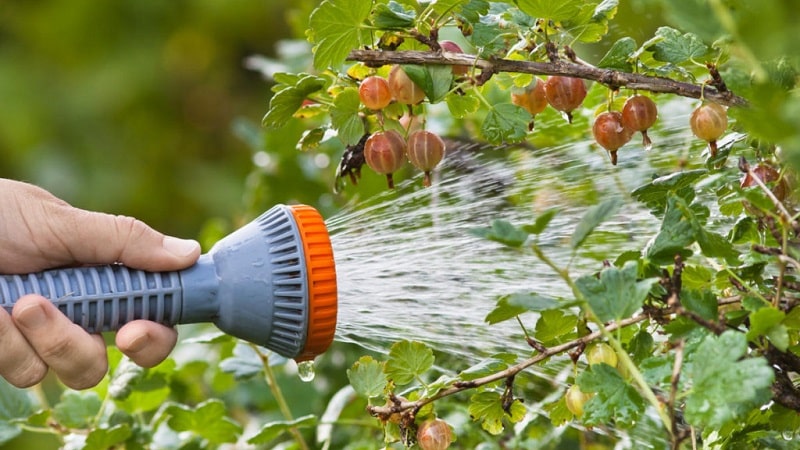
(98, 238)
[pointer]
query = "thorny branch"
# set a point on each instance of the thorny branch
(614, 79)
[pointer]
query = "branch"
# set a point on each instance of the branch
(614, 79)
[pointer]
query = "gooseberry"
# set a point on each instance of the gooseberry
(638, 114)
(708, 122)
(601, 353)
(434, 434)
(532, 98)
(768, 175)
(425, 150)
(384, 152)
(609, 132)
(374, 92)
(565, 93)
(575, 399)
(403, 89)
(450, 46)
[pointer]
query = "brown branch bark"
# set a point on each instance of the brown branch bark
(612, 78)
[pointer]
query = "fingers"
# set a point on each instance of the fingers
(78, 358)
(146, 343)
(98, 238)
(19, 363)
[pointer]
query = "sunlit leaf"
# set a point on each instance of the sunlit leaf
(335, 29)
(550, 9)
(555, 327)
(367, 377)
(289, 99)
(344, 116)
(408, 360)
(768, 322)
(434, 80)
(505, 122)
(462, 105)
(392, 15)
(677, 48)
(618, 56)
(487, 407)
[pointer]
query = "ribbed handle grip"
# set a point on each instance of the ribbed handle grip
(101, 298)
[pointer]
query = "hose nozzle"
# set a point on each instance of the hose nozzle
(271, 282)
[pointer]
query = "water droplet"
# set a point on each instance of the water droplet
(305, 370)
(788, 435)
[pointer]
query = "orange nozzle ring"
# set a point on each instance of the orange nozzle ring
(321, 269)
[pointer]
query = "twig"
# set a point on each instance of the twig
(677, 436)
(612, 78)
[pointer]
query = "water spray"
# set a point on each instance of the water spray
(271, 282)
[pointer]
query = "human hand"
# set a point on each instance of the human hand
(39, 231)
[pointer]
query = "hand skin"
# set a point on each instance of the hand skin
(39, 231)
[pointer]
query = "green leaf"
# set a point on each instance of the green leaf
(407, 360)
(393, 16)
(541, 222)
(641, 346)
(77, 409)
(105, 438)
(273, 430)
(147, 392)
(311, 139)
(502, 231)
(15, 403)
(488, 366)
(655, 193)
(593, 217)
(367, 377)
(730, 387)
(617, 294)
(558, 412)
(555, 327)
(244, 363)
(512, 305)
(434, 80)
(768, 322)
(618, 56)
(207, 420)
(676, 234)
(335, 28)
(504, 123)
(344, 116)
(550, 9)
(715, 245)
(462, 105)
(677, 48)
(289, 98)
(487, 407)
(615, 399)
(126, 375)
(703, 303)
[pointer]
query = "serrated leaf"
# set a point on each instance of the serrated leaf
(618, 56)
(392, 15)
(335, 28)
(487, 407)
(488, 366)
(677, 48)
(434, 80)
(273, 430)
(655, 193)
(512, 305)
(207, 420)
(344, 116)
(555, 10)
(593, 217)
(555, 327)
(502, 231)
(408, 360)
(703, 303)
(615, 399)
(715, 245)
(149, 391)
(768, 322)
(367, 377)
(676, 234)
(541, 222)
(641, 346)
(77, 409)
(105, 438)
(504, 123)
(616, 294)
(712, 401)
(462, 105)
(289, 98)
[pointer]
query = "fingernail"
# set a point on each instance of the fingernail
(138, 343)
(32, 316)
(179, 247)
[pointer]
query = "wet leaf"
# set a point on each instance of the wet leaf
(616, 294)
(502, 231)
(615, 399)
(407, 360)
(367, 377)
(510, 306)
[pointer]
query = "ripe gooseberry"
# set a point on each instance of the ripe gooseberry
(374, 92)
(708, 122)
(403, 89)
(565, 93)
(425, 150)
(609, 132)
(638, 114)
(601, 353)
(434, 435)
(384, 152)
(575, 399)
(532, 98)
(450, 46)
(767, 175)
